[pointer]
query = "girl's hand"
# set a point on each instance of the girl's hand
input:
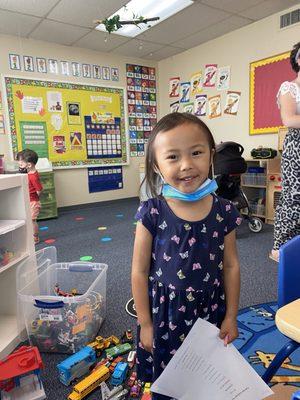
(229, 330)
(146, 337)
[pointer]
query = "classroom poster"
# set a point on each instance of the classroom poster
(174, 87)
(200, 105)
(142, 106)
(55, 119)
(185, 89)
(214, 106)
(188, 108)
(210, 75)
(223, 79)
(232, 102)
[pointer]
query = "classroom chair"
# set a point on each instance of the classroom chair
(287, 317)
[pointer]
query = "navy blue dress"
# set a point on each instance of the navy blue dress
(185, 280)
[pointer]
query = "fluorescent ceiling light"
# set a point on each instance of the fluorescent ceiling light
(147, 9)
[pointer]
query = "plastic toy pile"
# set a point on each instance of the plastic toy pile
(108, 363)
(66, 328)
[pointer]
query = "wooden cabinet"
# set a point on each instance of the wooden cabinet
(16, 243)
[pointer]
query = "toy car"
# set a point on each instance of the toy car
(127, 336)
(147, 387)
(135, 390)
(132, 379)
(131, 358)
(119, 375)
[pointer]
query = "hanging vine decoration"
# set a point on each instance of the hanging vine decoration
(114, 23)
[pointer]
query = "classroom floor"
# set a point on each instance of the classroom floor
(76, 234)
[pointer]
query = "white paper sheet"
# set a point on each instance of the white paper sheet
(203, 368)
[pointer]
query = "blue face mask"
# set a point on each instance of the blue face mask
(209, 186)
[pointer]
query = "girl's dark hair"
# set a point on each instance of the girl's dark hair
(168, 122)
(28, 156)
(293, 60)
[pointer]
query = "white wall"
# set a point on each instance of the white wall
(237, 49)
(72, 184)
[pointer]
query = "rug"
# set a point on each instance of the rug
(259, 340)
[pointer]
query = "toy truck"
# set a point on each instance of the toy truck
(119, 375)
(100, 343)
(118, 350)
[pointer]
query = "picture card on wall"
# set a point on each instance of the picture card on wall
(200, 105)
(196, 83)
(86, 70)
(52, 66)
(174, 107)
(174, 87)
(28, 63)
(115, 74)
(96, 72)
(214, 106)
(41, 65)
(223, 80)
(76, 69)
(232, 102)
(185, 88)
(188, 108)
(210, 75)
(64, 67)
(14, 62)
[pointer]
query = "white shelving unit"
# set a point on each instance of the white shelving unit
(16, 236)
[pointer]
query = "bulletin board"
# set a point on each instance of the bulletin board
(73, 125)
(266, 76)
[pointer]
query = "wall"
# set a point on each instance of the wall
(72, 184)
(237, 49)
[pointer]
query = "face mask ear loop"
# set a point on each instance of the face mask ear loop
(213, 170)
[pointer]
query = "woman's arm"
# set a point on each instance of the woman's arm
(140, 273)
(288, 111)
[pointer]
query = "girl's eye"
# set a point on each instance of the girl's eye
(197, 153)
(171, 157)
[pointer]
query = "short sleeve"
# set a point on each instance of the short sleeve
(146, 214)
(291, 88)
(232, 218)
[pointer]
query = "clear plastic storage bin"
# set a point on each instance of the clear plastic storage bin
(63, 304)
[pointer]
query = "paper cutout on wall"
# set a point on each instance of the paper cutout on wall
(185, 88)
(223, 80)
(174, 107)
(200, 105)
(196, 83)
(232, 102)
(188, 108)
(174, 87)
(210, 75)
(214, 106)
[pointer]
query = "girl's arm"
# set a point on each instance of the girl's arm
(288, 111)
(139, 279)
(231, 273)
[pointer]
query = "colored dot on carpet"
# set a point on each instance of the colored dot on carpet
(49, 241)
(79, 218)
(119, 215)
(44, 228)
(86, 258)
(102, 228)
(106, 239)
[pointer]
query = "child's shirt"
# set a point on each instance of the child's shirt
(188, 255)
(34, 186)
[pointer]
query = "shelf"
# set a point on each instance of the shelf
(255, 186)
(9, 225)
(13, 262)
(9, 335)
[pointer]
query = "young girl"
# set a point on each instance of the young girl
(185, 262)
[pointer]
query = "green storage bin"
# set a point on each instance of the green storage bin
(48, 211)
(47, 197)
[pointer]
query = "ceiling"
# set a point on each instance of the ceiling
(70, 23)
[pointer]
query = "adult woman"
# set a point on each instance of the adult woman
(287, 217)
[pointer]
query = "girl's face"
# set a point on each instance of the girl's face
(183, 157)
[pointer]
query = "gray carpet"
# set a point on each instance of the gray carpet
(75, 239)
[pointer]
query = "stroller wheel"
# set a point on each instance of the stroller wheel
(255, 225)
